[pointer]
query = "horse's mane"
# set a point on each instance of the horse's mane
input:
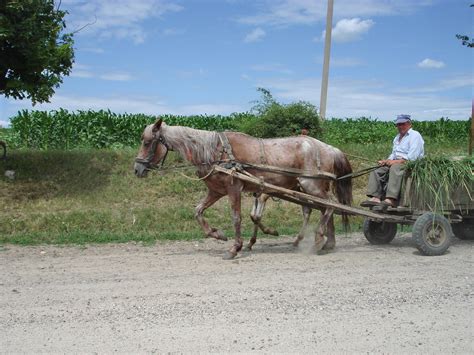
(199, 145)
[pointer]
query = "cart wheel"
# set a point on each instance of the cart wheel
(379, 232)
(464, 230)
(432, 234)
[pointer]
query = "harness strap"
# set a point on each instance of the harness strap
(263, 160)
(291, 171)
(226, 148)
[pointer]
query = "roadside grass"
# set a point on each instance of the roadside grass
(87, 196)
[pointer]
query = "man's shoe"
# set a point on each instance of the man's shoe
(389, 202)
(372, 202)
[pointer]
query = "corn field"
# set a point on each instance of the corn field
(66, 130)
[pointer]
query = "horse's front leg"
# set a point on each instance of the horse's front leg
(206, 202)
(235, 202)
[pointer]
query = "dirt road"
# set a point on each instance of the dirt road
(182, 297)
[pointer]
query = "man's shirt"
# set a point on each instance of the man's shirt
(411, 147)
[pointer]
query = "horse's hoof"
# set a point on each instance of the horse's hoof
(248, 248)
(229, 256)
(272, 231)
(319, 244)
(322, 252)
(218, 234)
(297, 241)
(329, 246)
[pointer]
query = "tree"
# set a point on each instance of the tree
(465, 39)
(34, 52)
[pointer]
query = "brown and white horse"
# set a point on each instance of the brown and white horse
(203, 149)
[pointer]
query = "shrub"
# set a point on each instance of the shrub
(278, 120)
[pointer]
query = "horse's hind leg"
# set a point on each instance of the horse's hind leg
(306, 214)
(256, 216)
(235, 202)
(319, 240)
(330, 233)
(205, 203)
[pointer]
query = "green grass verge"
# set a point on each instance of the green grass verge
(92, 196)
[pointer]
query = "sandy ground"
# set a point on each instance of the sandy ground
(182, 297)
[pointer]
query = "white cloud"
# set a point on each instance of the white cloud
(81, 71)
(116, 76)
(430, 64)
(121, 104)
(92, 50)
(346, 62)
(85, 71)
(356, 98)
(204, 109)
(292, 12)
(272, 67)
(115, 18)
(173, 31)
(256, 35)
(190, 74)
(347, 30)
(453, 83)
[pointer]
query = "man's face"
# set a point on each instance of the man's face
(403, 127)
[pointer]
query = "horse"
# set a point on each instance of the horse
(205, 149)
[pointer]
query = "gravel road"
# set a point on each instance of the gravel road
(182, 297)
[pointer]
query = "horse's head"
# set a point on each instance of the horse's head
(152, 151)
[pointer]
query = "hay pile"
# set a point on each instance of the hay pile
(440, 183)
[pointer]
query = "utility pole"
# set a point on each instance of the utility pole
(327, 52)
(471, 136)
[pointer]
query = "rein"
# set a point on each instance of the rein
(358, 173)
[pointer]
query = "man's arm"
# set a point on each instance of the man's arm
(417, 149)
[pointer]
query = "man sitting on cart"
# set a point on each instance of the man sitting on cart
(385, 182)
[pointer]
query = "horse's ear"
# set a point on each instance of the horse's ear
(157, 125)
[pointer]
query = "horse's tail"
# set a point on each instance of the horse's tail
(343, 188)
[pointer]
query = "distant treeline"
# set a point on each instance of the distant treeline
(104, 129)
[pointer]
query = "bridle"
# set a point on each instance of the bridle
(148, 160)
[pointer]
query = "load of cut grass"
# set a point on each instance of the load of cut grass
(440, 183)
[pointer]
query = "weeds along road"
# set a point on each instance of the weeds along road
(182, 297)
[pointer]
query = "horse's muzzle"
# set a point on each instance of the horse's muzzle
(141, 170)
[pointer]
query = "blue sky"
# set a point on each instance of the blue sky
(209, 57)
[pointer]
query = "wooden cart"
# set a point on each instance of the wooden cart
(432, 231)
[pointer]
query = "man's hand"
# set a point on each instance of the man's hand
(388, 162)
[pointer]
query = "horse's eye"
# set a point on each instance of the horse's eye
(146, 144)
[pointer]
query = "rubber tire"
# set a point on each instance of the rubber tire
(379, 232)
(421, 234)
(464, 230)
